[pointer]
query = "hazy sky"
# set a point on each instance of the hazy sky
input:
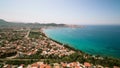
(61, 11)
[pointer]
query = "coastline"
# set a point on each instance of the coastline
(66, 45)
(60, 35)
(77, 50)
(96, 57)
(49, 51)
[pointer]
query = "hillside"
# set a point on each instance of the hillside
(4, 24)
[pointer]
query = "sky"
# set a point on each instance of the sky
(62, 11)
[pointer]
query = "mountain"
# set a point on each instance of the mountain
(4, 23)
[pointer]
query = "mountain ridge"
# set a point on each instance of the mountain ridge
(4, 23)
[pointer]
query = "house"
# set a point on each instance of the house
(87, 65)
(35, 65)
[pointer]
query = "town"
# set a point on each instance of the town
(31, 48)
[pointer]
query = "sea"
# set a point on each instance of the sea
(101, 40)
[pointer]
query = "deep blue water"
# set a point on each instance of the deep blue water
(97, 40)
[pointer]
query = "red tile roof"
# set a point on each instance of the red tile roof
(48, 66)
(87, 64)
(42, 66)
(35, 65)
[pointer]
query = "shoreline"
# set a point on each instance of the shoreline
(50, 51)
(99, 58)
(68, 46)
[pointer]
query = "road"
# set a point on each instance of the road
(26, 36)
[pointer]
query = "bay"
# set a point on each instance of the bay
(101, 40)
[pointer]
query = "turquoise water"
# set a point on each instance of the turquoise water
(97, 40)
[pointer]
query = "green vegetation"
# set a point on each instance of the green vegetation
(52, 58)
(34, 35)
(1, 65)
(18, 62)
(7, 54)
(76, 57)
